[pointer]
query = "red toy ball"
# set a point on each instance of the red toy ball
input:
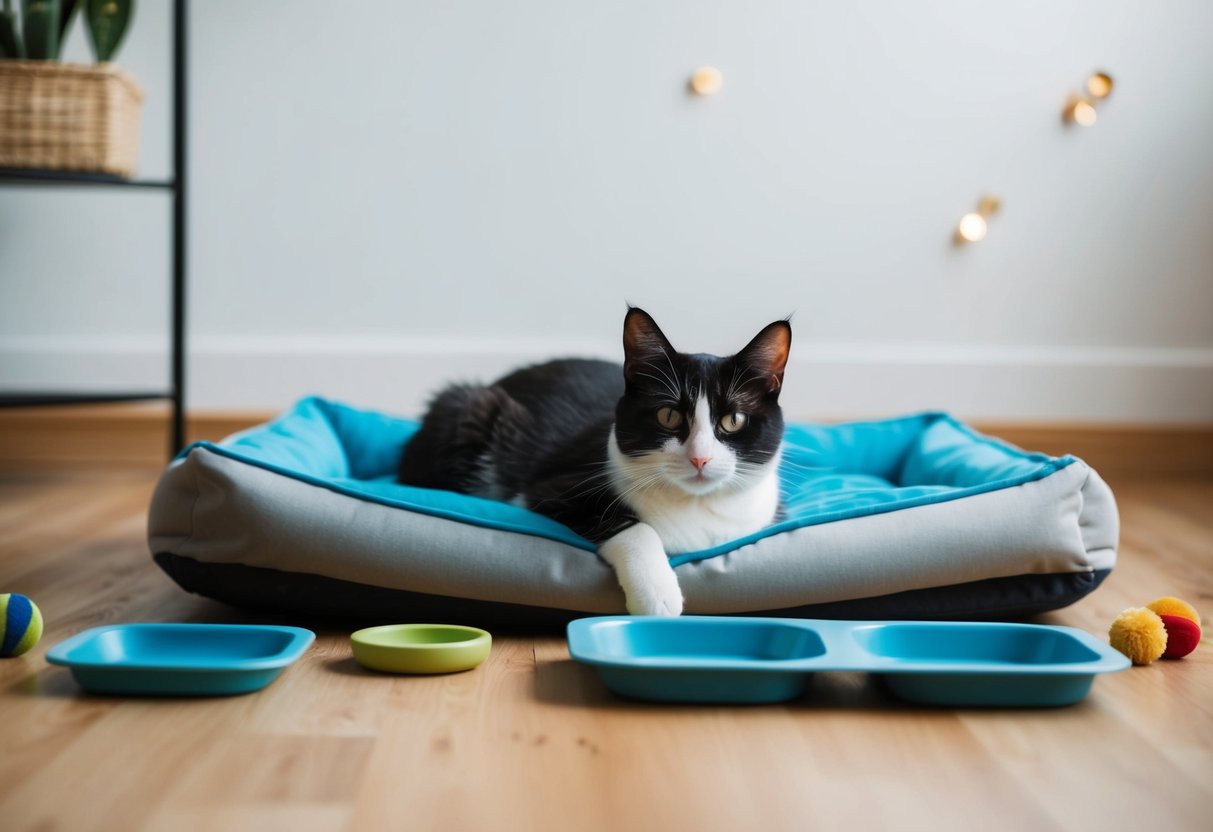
(1183, 635)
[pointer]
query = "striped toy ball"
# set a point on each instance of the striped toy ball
(20, 624)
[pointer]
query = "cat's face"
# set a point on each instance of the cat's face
(699, 422)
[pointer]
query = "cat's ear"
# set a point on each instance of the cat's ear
(767, 354)
(643, 342)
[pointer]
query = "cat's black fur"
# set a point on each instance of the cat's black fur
(541, 433)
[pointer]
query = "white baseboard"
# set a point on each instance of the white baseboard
(1068, 384)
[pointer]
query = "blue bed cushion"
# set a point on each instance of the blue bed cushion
(829, 472)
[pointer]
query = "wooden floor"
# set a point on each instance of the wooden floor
(531, 741)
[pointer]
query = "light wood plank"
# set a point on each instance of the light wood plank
(104, 436)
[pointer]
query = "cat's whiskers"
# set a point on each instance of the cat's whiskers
(732, 391)
(678, 380)
(635, 486)
(673, 393)
(748, 474)
(670, 382)
(735, 385)
(603, 474)
(800, 466)
(641, 474)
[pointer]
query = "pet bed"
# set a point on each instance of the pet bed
(914, 517)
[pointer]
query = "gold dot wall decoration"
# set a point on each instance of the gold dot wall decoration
(707, 80)
(1099, 85)
(1080, 109)
(989, 206)
(973, 226)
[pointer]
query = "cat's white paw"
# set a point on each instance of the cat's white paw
(653, 600)
(649, 584)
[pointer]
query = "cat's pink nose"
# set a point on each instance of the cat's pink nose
(700, 462)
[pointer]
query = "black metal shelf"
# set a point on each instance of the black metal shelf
(24, 176)
(176, 188)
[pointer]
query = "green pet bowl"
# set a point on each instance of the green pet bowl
(421, 648)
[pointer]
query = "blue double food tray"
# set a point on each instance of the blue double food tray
(756, 660)
(180, 659)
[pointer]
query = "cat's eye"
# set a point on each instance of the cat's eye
(733, 422)
(669, 418)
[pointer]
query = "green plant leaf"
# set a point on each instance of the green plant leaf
(107, 22)
(40, 26)
(10, 38)
(67, 10)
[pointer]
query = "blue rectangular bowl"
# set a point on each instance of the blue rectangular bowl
(757, 660)
(180, 659)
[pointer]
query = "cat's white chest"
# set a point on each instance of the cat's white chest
(688, 523)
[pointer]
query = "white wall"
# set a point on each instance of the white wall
(386, 195)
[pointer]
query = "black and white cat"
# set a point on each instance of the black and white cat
(669, 453)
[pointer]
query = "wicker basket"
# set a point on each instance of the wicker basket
(57, 116)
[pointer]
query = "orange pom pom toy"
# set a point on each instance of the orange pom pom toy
(1140, 634)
